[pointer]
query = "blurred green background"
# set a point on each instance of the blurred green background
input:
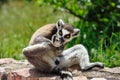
(98, 21)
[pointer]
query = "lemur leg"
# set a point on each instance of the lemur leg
(35, 50)
(78, 54)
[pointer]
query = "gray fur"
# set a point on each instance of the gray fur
(45, 47)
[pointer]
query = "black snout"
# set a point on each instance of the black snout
(62, 39)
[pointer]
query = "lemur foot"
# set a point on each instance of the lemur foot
(96, 64)
(99, 64)
(66, 75)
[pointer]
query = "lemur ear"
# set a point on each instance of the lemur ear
(76, 32)
(59, 24)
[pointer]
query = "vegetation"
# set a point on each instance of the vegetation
(98, 20)
(18, 21)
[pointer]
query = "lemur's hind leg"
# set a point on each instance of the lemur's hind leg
(78, 54)
(83, 59)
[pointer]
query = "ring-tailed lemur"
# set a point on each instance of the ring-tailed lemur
(46, 49)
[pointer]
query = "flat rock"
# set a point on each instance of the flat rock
(28, 73)
(111, 70)
(7, 60)
(33, 74)
(107, 73)
(8, 64)
(11, 69)
(98, 79)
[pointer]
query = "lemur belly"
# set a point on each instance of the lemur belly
(41, 65)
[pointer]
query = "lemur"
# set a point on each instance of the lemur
(46, 49)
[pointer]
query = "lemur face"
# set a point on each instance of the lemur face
(65, 33)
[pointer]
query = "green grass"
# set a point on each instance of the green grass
(18, 21)
(111, 55)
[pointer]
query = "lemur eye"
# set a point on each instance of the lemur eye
(60, 32)
(67, 36)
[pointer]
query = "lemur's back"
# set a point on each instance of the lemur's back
(45, 31)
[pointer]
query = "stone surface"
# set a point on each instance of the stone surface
(108, 73)
(28, 73)
(103, 79)
(81, 77)
(113, 70)
(7, 60)
(2, 73)
(33, 74)
(8, 64)
(11, 69)
(98, 79)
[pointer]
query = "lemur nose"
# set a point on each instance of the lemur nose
(62, 39)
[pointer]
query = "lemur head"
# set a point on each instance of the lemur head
(64, 34)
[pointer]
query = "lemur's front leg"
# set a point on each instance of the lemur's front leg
(78, 54)
(35, 50)
(41, 45)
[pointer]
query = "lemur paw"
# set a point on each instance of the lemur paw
(66, 75)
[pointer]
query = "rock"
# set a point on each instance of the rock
(98, 79)
(80, 78)
(107, 73)
(7, 61)
(111, 70)
(29, 74)
(8, 64)
(104, 79)
(33, 74)
(11, 69)
(2, 73)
